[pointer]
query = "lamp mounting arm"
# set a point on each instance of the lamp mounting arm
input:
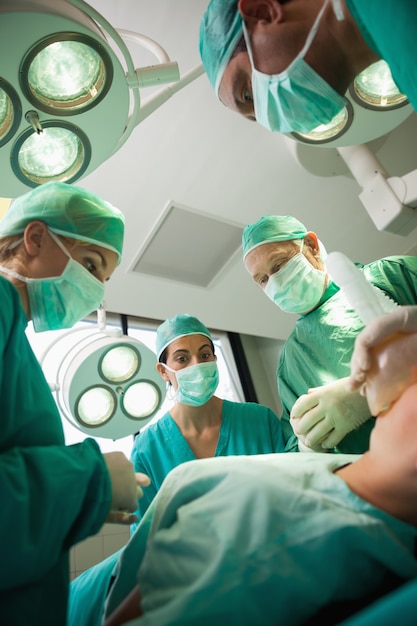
(389, 201)
(166, 71)
(156, 100)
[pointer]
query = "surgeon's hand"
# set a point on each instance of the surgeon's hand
(323, 416)
(403, 320)
(126, 488)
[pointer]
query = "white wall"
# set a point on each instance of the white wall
(262, 355)
(87, 553)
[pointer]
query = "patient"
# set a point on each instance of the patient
(293, 539)
(276, 538)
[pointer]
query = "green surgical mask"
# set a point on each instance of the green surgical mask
(297, 287)
(59, 302)
(196, 383)
(297, 99)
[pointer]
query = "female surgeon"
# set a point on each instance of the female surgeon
(58, 245)
(200, 424)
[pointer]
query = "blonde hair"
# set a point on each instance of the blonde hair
(7, 249)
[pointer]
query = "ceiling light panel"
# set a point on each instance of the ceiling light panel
(188, 246)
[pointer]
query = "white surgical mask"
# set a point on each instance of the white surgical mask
(297, 287)
(58, 302)
(196, 383)
(297, 99)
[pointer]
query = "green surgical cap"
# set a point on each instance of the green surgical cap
(69, 211)
(220, 32)
(270, 228)
(176, 327)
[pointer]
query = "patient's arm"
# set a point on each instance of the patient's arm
(127, 610)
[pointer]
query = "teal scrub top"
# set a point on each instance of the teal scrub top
(319, 348)
(52, 496)
(390, 29)
(268, 539)
(246, 428)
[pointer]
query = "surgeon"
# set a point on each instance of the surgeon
(59, 244)
(200, 424)
(288, 64)
(288, 263)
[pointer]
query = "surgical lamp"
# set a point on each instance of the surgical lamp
(374, 107)
(69, 90)
(106, 385)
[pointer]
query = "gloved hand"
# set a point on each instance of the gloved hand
(403, 319)
(125, 488)
(302, 447)
(322, 417)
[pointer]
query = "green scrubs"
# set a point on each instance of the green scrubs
(319, 348)
(390, 29)
(246, 428)
(267, 539)
(52, 496)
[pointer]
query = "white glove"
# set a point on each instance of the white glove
(126, 488)
(403, 319)
(303, 448)
(323, 416)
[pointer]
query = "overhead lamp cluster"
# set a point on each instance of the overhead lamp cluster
(106, 384)
(69, 90)
(374, 107)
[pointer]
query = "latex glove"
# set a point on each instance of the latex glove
(302, 447)
(403, 319)
(324, 415)
(126, 488)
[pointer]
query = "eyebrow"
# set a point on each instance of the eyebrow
(103, 261)
(274, 258)
(184, 350)
(234, 84)
(102, 257)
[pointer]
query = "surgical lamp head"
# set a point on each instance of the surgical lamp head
(68, 211)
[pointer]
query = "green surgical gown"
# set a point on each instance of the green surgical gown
(319, 348)
(52, 495)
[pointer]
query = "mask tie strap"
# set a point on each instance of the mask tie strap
(9, 272)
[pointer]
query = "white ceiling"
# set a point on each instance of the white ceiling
(197, 154)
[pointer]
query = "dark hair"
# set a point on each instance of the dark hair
(240, 47)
